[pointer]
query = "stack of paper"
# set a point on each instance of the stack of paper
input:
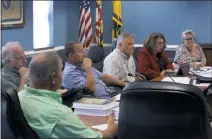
(117, 97)
(183, 80)
(116, 113)
(203, 71)
(94, 106)
(100, 127)
(200, 84)
(203, 74)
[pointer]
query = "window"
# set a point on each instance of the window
(42, 24)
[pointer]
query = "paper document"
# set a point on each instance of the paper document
(117, 97)
(201, 84)
(203, 71)
(182, 80)
(100, 127)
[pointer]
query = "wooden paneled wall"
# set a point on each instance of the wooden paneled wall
(207, 48)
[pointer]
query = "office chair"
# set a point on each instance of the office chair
(14, 124)
(97, 56)
(114, 43)
(163, 110)
(208, 94)
(62, 55)
(75, 94)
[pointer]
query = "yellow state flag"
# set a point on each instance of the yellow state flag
(99, 23)
(117, 19)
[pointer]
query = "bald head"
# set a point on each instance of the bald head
(43, 66)
(40, 58)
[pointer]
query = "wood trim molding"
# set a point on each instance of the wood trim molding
(207, 49)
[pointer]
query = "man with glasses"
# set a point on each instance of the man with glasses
(120, 63)
(14, 73)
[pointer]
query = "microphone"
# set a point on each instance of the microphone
(169, 76)
(137, 76)
(197, 78)
(129, 74)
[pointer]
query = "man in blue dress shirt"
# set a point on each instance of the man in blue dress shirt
(79, 73)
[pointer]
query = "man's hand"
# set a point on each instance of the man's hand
(24, 72)
(169, 70)
(62, 91)
(87, 63)
(108, 79)
(112, 129)
(112, 126)
(90, 83)
(164, 71)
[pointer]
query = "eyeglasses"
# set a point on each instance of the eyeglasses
(189, 39)
(21, 57)
(160, 43)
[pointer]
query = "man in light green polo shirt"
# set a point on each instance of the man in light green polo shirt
(43, 108)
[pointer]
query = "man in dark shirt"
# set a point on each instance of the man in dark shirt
(14, 72)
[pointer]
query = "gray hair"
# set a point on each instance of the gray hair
(123, 36)
(41, 71)
(190, 32)
(7, 52)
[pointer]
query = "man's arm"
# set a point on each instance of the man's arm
(112, 67)
(90, 83)
(112, 129)
(75, 79)
(69, 125)
(112, 80)
(23, 71)
(23, 81)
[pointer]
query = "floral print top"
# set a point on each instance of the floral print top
(182, 55)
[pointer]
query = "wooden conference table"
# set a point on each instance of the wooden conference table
(97, 120)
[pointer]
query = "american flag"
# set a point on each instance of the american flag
(99, 23)
(85, 30)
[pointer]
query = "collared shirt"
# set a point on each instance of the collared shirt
(49, 118)
(75, 77)
(120, 65)
(10, 76)
(182, 55)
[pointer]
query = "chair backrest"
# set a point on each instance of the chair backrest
(163, 110)
(114, 43)
(63, 57)
(75, 94)
(97, 55)
(208, 94)
(14, 124)
(7, 130)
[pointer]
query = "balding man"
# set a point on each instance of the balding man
(120, 63)
(14, 72)
(43, 108)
